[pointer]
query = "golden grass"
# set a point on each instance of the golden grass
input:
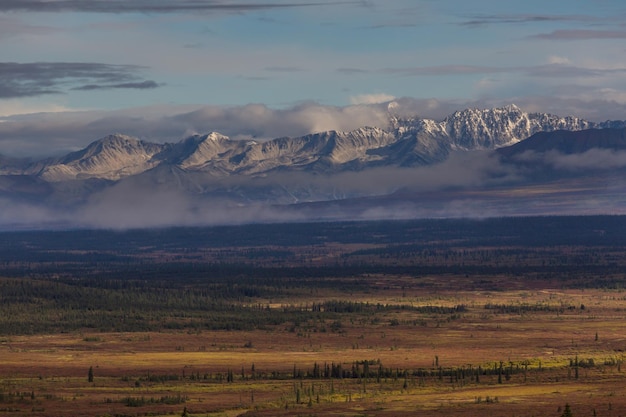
(53, 368)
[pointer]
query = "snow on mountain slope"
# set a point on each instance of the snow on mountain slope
(112, 158)
(474, 129)
(327, 149)
(204, 149)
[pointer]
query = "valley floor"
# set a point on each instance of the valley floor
(512, 359)
(502, 317)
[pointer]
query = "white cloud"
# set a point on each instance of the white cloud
(371, 98)
(559, 60)
(604, 159)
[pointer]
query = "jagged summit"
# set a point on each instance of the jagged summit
(472, 129)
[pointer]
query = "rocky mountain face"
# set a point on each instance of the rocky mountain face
(113, 157)
(474, 129)
(406, 142)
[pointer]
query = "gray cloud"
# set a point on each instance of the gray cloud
(447, 70)
(18, 214)
(40, 78)
(351, 71)
(392, 25)
(570, 103)
(284, 69)
(563, 70)
(548, 70)
(482, 20)
(581, 34)
(593, 159)
(460, 170)
(44, 134)
(160, 201)
(147, 6)
(142, 85)
(262, 122)
(472, 184)
(11, 27)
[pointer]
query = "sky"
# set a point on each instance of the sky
(73, 71)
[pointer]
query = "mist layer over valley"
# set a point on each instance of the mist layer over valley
(473, 163)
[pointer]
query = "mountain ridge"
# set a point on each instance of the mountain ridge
(406, 142)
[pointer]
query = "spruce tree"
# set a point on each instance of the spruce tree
(567, 412)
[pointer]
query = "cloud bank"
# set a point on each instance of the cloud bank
(475, 184)
(468, 184)
(49, 134)
(146, 201)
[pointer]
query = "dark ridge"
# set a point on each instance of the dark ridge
(568, 142)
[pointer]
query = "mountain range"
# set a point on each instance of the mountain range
(409, 160)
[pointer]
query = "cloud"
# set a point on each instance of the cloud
(559, 60)
(352, 71)
(147, 6)
(157, 200)
(262, 122)
(593, 159)
(285, 69)
(581, 34)
(41, 78)
(452, 69)
(12, 27)
(559, 68)
(460, 170)
(143, 85)
(393, 25)
(565, 70)
(468, 184)
(481, 20)
(371, 98)
(576, 102)
(19, 214)
(46, 134)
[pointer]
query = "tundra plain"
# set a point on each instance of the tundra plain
(500, 317)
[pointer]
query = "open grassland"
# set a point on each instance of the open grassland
(498, 318)
(504, 360)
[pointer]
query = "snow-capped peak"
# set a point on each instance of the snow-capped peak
(215, 136)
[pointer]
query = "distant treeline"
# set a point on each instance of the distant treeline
(31, 306)
(216, 277)
(524, 231)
